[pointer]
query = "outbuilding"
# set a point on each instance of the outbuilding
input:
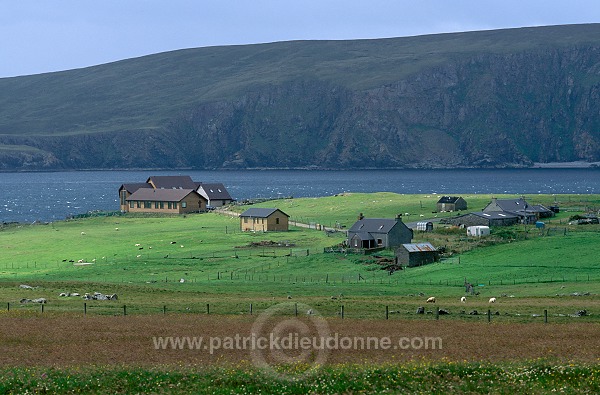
(478, 231)
(416, 254)
(264, 220)
(451, 203)
(425, 226)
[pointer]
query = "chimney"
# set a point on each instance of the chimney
(398, 217)
(360, 216)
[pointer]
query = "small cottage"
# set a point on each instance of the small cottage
(378, 233)
(418, 254)
(264, 220)
(451, 203)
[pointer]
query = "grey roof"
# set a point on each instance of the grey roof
(513, 205)
(419, 247)
(495, 214)
(215, 191)
(260, 212)
(373, 225)
(172, 182)
(161, 195)
(448, 199)
(132, 187)
(364, 236)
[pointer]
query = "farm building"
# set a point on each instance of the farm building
(212, 194)
(425, 226)
(478, 231)
(168, 201)
(378, 233)
(418, 254)
(484, 219)
(451, 203)
(264, 220)
(527, 213)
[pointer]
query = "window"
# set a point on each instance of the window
(161, 205)
(379, 242)
(123, 197)
(245, 220)
(169, 205)
(277, 221)
(156, 205)
(147, 204)
(131, 204)
(174, 205)
(138, 204)
(183, 204)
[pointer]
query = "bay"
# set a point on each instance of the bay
(51, 196)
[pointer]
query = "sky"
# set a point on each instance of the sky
(39, 36)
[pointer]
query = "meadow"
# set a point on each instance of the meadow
(198, 274)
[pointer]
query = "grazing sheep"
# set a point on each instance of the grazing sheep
(80, 261)
(83, 233)
(310, 312)
(463, 299)
(137, 244)
(492, 300)
(431, 299)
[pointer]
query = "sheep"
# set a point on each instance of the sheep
(83, 233)
(431, 299)
(463, 299)
(80, 261)
(492, 300)
(137, 244)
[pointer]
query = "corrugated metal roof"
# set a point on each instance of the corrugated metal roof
(419, 247)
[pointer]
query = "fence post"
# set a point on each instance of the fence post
(489, 315)
(42, 306)
(296, 309)
(250, 308)
(437, 313)
(84, 308)
(124, 309)
(545, 316)
(207, 308)
(387, 312)
(342, 311)
(164, 310)
(8, 307)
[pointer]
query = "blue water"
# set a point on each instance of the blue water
(28, 197)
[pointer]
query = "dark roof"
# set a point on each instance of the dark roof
(513, 205)
(448, 199)
(373, 225)
(215, 191)
(260, 212)
(172, 182)
(495, 214)
(132, 187)
(161, 195)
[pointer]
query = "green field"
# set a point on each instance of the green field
(183, 267)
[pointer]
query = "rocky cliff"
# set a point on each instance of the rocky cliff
(531, 99)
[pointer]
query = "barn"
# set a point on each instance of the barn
(416, 254)
(451, 203)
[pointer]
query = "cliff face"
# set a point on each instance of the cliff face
(506, 108)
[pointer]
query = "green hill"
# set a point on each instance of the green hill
(479, 99)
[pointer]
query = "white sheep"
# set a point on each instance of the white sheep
(80, 261)
(83, 233)
(492, 300)
(463, 299)
(137, 244)
(431, 299)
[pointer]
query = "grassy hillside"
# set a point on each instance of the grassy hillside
(363, 103)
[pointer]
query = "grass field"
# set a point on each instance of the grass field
(231, 278)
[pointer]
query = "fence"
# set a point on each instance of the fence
(333, 311)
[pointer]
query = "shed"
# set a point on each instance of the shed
(478, 231)
(425, 226)
(417, 254)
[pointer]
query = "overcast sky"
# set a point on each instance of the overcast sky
(40, 36)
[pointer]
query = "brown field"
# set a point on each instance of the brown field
(69, 340)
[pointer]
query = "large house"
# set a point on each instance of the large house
(378, 233)
(154, 196)
(264, 220)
